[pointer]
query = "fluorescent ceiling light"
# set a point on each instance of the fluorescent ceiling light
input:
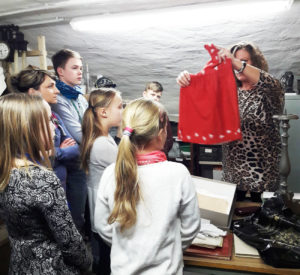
(42, 22)
(183, 16)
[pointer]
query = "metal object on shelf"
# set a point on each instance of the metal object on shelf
(285, 166)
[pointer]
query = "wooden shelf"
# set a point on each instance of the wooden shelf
(34, 53)
(11, 68)
(210, 162)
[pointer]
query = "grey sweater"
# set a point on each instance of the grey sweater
(71, 112)
(103, 153)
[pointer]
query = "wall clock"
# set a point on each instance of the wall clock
(4, 50)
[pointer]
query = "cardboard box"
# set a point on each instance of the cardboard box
(216, 200)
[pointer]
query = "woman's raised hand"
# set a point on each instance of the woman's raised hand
(183, 79)
(224, 53)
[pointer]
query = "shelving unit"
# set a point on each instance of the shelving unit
(219, 163)
(195, 160)
(13, 67)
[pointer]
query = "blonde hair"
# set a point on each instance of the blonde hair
(24, 129)
(91, 123)
(146, 118)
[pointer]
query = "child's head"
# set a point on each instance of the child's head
(68, 66)
(153, 90)
(35, 81)
(104, 111)
(147, 119)
(25, 131)
(105, 82)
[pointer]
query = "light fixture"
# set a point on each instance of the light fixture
(42, 22)
(40, 8)
(189, 15)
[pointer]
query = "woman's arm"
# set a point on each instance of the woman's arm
(53, 206)
(250, 72)
(102, 209)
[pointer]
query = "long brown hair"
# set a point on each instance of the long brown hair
(24, 130)
(91, 123)
(257, 58)
(146, 118)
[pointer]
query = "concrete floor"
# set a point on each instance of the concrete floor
(188, 270)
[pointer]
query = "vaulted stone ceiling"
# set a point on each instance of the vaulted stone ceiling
(162, 49)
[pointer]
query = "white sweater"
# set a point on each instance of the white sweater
(168, 219)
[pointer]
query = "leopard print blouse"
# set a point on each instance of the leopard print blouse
(43, 237)
(253, 162)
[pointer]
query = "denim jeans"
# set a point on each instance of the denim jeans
(76, 194)
(101, 255)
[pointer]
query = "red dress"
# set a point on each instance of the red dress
(208, 107)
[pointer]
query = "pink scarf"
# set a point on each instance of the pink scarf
(153, 157)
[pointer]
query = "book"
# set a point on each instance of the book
(222, 253)
(241, 249)
(209, 242)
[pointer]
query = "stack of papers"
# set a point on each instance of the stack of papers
(208, 242)
(221, 253)
(241, 249)
(209, 235)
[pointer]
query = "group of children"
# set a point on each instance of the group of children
(143, 208)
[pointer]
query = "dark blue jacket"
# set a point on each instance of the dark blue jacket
(63, 156)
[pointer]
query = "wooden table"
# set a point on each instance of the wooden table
(238, 263)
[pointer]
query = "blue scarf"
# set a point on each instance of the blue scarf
(68, 91)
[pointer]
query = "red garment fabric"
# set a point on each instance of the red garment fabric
(153, 157)
(208, 107)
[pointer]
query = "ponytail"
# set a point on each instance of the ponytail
(146, 118)
(91, 129)
(91, 124)
(127, 193)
